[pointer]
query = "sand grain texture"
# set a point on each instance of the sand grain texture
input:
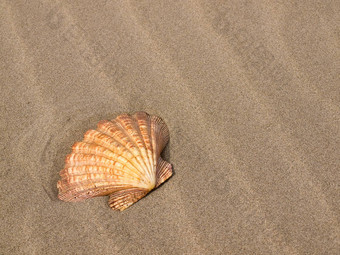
(250, 93)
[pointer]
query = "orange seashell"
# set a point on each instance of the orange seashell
(120, 159)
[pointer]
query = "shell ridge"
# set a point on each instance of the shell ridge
(138, 127)
(105, 153)
(143, 126)
(75, 160)
(118, 128)
(123, 199)
(73, 194)
(88, 170)
(133, 161)
(129, 125)
(162, 131)
(161, 134)
(164, 171)
(152, 140)
(97, 176)
(142, 163)
(88, 184)
(81, 160)
(99, 182)
(95, 140)
(146, 152)
(155, 136)
(144, 117)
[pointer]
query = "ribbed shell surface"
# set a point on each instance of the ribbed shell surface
(121, 158)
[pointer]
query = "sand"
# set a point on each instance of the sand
(249, 90)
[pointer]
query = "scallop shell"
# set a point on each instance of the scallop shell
(120, 159)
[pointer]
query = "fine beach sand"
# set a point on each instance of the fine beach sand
(248, 89)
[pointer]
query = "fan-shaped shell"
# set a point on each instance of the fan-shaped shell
(121, 158)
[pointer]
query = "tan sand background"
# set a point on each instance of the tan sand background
(249, 90)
